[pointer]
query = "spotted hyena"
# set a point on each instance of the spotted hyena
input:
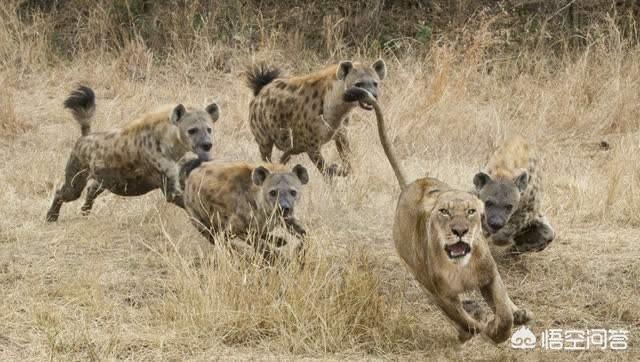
(301, 114)
(244, 200)
(135, 159)
(511, 190)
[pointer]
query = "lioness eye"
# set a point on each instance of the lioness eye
(192, 131)
(471, 212)
(273, 193)
(444, 212)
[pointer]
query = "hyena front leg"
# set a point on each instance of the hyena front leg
(344, 151)
(535, 237)
(170, 181)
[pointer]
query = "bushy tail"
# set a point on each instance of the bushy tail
(359, 94)
(260, 75)
(82, 104)
(186, 169)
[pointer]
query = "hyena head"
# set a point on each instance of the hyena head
(362, 76)
(279, 190)
(195, 127)
(501, 196)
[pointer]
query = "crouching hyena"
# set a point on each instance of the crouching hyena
(511, 189)
(238, 199)
(301, 114)
(133, 160)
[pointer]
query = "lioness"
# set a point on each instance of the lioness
(437, 232)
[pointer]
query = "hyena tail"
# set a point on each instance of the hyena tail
(260, 75)
(186, 169)
(82, 104)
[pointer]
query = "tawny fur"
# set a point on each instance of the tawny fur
(431, 216)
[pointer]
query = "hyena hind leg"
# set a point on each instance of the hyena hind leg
(93, 191)
(75, 181)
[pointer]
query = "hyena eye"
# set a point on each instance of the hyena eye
(444, 212)
(375, 84)
(509, 208)
(360, 85)
(209, 130)
(192, 131)
(293, 193)
(471, 212)
(489, 204)
(273, 193)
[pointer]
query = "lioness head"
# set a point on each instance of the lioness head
(362, 76)
(279, 190)
(195, 127)
(501, 196)
(456, 223)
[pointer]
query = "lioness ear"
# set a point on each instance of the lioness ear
(177, 113)
(214, 111)
(480, 180)
(343, 69)
(302, 174)
(259, 174)
(380, 68)
(522, 181)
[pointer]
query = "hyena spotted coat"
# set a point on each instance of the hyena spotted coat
(301, 114)
(243, 200)
(135, 159)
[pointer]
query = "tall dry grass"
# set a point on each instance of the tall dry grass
(135, 281)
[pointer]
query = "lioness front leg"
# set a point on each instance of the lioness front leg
(495, 294)
(466, 325)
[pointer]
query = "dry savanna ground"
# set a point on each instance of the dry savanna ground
(135, 281)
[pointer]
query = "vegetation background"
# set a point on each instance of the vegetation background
(135, 281)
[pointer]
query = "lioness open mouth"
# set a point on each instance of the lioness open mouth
(457, 250)
(365, 106)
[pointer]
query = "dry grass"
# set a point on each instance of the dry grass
(135, 281)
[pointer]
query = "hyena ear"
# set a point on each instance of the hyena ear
(214, 111)
(177, 113)
(302, 174)
(522, 181)
(259, 174)
(343, 69)
(480, 180)
(380, 68)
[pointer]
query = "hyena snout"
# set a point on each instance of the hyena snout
(203, 149)
(495, 224)
(206, 146)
